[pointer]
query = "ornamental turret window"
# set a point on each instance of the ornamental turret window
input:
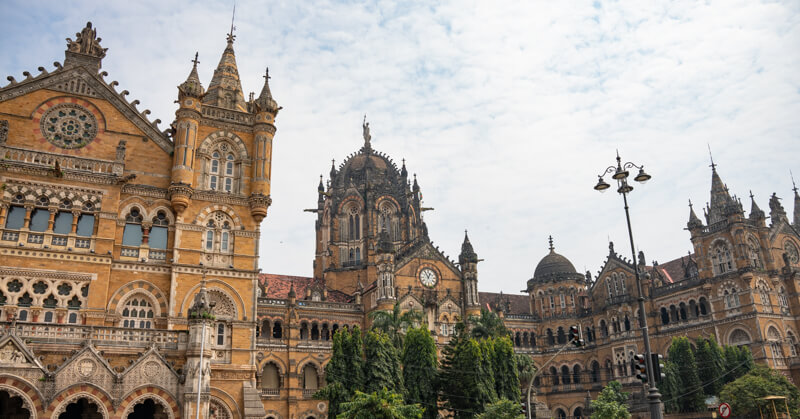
(221, 169)
(721, 259)
(218, 235)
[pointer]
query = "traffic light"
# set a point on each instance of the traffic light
(575, 337)
(658, 367)
(524, 409)
(640, 366)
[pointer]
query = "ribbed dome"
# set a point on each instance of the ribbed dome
(553, 263)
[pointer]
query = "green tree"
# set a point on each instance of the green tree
(353, 348)
(381, 404)
(488, 324)
(669, 387)
(502, 409)
(709, 365)
(680, 353)
(464, 388)
(611, 403)
(340, 381)
(382, 365)
(420, 370)
(506, 373)
(394, 323)
(744, 393)
(738, 362)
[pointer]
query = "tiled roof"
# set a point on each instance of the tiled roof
(277, 286)
(519, 303)
(675, 270)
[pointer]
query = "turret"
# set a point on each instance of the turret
(468, 260)
(198, 353)
(756, 214)
(776, 211)
(694, 223)
(266, 110)
(796, 220)
(385, 265)
(190, 94)
(721, 205)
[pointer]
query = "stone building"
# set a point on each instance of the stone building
(129, 284)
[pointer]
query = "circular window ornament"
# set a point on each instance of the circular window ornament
(791, 251)
(68, 126)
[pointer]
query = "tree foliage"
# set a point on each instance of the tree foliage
(680, 353)
(611, 403)
(670, 388)
(395, 323)
(506, 373)
(382, 365)
(419, 370)
(381, 404)
(487, 325)
(710, 361)
(744, 393)
(465, 387)
(344, 372)
(502, 409)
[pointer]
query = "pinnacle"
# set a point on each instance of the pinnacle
(192, 85)
(265, 102)
(225, 89)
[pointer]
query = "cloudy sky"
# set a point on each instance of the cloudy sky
(506, 111)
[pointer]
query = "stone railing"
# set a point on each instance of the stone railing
(100, 335)
(677, 286)
(328, 305)
(47, 160)
(271, 301)
(227, 115)
(47, 240)
(271, 342)
(270, 392)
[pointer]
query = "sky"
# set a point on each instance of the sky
(506, 111)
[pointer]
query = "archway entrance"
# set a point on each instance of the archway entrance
(148, 409)
(82, 408)
(12, 406)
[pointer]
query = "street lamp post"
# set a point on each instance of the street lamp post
(620, 174)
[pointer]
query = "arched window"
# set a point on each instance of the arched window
(213, 171)
(576, 374)
(731, 298)
(277, 330)
(783, 300)
(721, 259)
(608, 287)
(40, 217)
(218, 237)
(682, 311)
(310, 377)
(554, 375)
(220, 332)
(550, 338)
(270, 377)
(228, 175)
(304, 331)
(63, 222)
(158, 232)
(85, 227)
(774, 338)
(565, 374)
(754, 251)
(15, 218)
(563, 301)
(622, 289)
(604, 328)
(763, 293)
(517, 341)
(792, 341)
(738, 338)
(562, 337)
(627, 323)
(72, 318)
(664, 316)
(595, 372)
(704, 308)
(132, 234)
(137, 312)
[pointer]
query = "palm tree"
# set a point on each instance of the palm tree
(488, 324)
(395, 323)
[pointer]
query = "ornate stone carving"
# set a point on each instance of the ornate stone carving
(68, 126)
(224, 306)
(85, 368)
(3, 131)
(87, 42)
(10, 354)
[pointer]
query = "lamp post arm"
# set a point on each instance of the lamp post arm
(536, 374)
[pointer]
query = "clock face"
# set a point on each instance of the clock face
(427, 277)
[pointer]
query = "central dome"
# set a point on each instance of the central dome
(553, 268)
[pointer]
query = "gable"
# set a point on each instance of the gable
(85, 366)
(79, 83)
(150, 368)
(423, 250)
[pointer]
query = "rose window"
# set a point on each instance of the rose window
(69, 126)
(791, 252)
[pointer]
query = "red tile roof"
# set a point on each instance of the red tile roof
(675, 270)
(518, 303)
(277, 286)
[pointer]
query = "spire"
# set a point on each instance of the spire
(403, 171)
(225, 89)
(265, 102)
(192, 86)
(721, 203)
(333, 169)
(755, 211)
(550, 240)
(693, 220)
(796, 202)
(467, 252)
(321, 187)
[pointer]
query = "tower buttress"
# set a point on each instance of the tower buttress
(190, 94)
(385, 265)
(266, 109)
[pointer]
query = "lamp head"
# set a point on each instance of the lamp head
(620, 174)
(625, 188)
(601, 186)
(642, 177)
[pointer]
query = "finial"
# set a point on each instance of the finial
(712, 166)
(266, 76)
(195, 61)
(751, 194)
(550, 239)
(367, 136)
(690, 204)
(231, 36)
(794, 187)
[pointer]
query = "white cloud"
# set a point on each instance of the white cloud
(505, 110)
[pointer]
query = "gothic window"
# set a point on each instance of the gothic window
(158, 232)
(603, 328)
(48, 317)
(774, 338)
(15, 219)
(791, 252)
(552, 303)
(277, 330)
(304, 331)
(22, 315)
(595, 372)
(554, 375)
(310, 377)
(608, 288)
(218, 234)
(792, 341)
(721, 259)
(627, 323)
(562, 337)
(563, 301)
(517, 341)
(704, 307)
(550, 338)
(738, 338)
(132, 234)
(213, 178)
(63, 220)
(682, 311)
(622, 284)
(731, 298)
(85, 227)
(137, 312)
(763, 293)
(228, 175)
(576, 374)
(754, 251)
(72, 318)
(389, 221)
(783, 300)
(565, 375)
(41, 215)
(270, 378)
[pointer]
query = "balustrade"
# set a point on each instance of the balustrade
(101, 335)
